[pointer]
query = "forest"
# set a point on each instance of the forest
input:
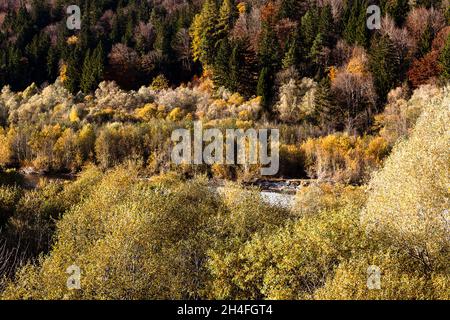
(363, 116)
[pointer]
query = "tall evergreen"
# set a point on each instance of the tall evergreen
(425, 41)
(355, 26)
(291, 56)
(264, 87)
(73, 72)
(92, 71)
(384, 65)
(315, 55)
(397, 9)
(309, 27)
(444, 59)
(221, 64)
(269, 49)
(52, 64)
(325, 105)
(325, 27)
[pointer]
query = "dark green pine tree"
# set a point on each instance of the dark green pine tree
(73, 73)
(3, 70)
(17, 70)
(40, 13)
(36, 52)
(327, 115)
(269, 49)
(92, 72)
(362, 36)
(425, 41)
(291, 57)
(444, 60)
(264, 88)
(87, 74)
(326, 27)
(355, 27)
(292, 9)
(384, 65)
(309, 27)
(115, 35)
(22, 28)
(397, 9)
(316, 54)
(243, 68)
(98, 63)
(269, 60)
(222, 64)
(129, 31)
(52, 64)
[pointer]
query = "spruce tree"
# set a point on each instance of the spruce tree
(325, 27)
(325, 106)
(269, 49)
(92, 71)
(245, 68)
(397, 9)
(264, 88)
(291, 56)
(309, 27)
(444, 60)
(221, 64)
(355, 29)
(316, 54)
(425, 41)
(98, 63)
(384, 65)
(87, 76)
(52, 64)
(72, 83)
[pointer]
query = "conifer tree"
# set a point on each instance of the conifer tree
(316, 54)
(203, 31)
(384, 65)
(355, 30)
(309, 27)
(87, 75)
(227, 16)
(325, 105)
(397, 9)
(444, 59)
(73, 74)
(264, 87)
(269, 49)
(325, 27)
(52, 64)
(425, 41)
(221, 64)
(291, 56)
(92, 71)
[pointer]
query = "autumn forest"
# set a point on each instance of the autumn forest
(93, 206)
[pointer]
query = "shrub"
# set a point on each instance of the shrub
(290, 263)
(343, 158)
(409, 199)
(9, 196)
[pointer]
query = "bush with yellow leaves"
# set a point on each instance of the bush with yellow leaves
(343, 158)
(133, 240)
(409, 198)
